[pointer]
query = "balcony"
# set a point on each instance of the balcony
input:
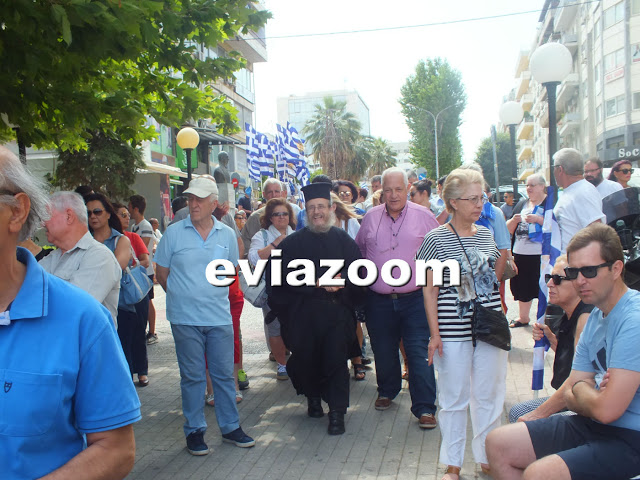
(250, 45)
(567, 90)
(543, 118)
(526, 102)
(525, 151)
(570, 40)
(523, 62)
(565, 13)
(525, 130)
(523, 84)
(569, 123)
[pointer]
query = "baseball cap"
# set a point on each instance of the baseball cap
(202, 187)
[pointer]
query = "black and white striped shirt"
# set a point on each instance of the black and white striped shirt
(454, 313)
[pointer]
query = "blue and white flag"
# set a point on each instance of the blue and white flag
(253, 152)
(267, 164)
(551, 249)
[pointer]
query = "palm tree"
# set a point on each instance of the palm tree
(333, 133)
(382, 156)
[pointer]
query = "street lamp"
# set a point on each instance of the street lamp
(435, 131)
(511, 114)
(188, 139)
(550, 64)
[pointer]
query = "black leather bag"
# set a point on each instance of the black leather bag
(487, 325)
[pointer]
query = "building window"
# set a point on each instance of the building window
(613, 15)
(616, 142)
(598, 114)
(596, 79)
(635, 7)
(636, 100)
(614, 60)
(615, 106)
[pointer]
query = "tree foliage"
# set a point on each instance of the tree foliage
(484, 156)
(434, 86)
(333, 133)
(105, 166)
(383, 156)
(72, 69)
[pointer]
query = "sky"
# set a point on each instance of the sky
(376, 64)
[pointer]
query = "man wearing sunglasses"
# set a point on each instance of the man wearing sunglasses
(580, 203)
(603, 439)
(593, 175)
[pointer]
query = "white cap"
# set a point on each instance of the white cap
(202, 187)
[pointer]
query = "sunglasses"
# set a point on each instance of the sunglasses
(590, 271)
(345, 194)
(123, 215)
(96, 211)
(280, 214)
(557, 279)
(626, 171)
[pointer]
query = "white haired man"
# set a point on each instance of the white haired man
(200, 314)
(79, 256)
(68, 402)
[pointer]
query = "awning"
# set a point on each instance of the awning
(210, 135)
(526, 173)
(160, 168)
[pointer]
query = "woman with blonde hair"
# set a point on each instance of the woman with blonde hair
(468, 375)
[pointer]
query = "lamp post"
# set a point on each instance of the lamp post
(511, 114)
(188, 139)
(550, 64)
(435, 131)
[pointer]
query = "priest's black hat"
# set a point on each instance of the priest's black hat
(317, 190)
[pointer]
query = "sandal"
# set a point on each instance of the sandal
(517, 324)
(452, 471)
(405, 374)
(359, 372)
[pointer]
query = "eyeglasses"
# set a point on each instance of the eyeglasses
(280, 214)
(475, 200)
(557, 279)
(345, 194)
(123, 214)
(593, 170)
(96, 211)
(626, 171)
(589, 271)
(320, 208)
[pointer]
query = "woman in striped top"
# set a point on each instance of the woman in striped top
(466, 374)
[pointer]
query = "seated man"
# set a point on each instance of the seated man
(576, 312)
(603, 439)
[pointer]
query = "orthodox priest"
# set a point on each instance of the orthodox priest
(317, 322)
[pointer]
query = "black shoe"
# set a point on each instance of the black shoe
(195, 443)
(314, 409)
(336, 423)
(365, 360)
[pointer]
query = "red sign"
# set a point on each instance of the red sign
(614, 75)
(234, 182)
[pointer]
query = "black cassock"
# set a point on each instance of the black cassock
(317, 326)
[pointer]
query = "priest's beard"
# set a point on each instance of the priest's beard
(330, 221)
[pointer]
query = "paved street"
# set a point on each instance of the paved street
(290, 445)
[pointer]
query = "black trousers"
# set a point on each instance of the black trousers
(131, 331)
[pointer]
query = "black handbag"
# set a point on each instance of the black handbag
(487, 325)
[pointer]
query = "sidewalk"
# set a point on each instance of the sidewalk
(289, 444)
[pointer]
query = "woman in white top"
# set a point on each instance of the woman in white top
(526, 251)
(277, 222)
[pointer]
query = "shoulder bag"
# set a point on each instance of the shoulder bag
(135, 283)
(257, 295)
(487, 325)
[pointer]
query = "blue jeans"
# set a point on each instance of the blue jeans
(191, 345)
(388, 321)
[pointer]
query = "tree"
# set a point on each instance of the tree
(76, 68)
(484, 156)
(434, 86)
(382, 157)
(334, 133)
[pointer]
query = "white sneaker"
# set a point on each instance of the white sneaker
(282, 372)
(210, 400)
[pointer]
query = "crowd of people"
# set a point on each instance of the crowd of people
(589, 428)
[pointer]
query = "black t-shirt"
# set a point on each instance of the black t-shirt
(245, 203)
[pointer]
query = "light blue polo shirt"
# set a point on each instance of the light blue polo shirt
(613, 342)
(62, 375)
(191, 299)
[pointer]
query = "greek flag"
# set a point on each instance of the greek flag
(266, 152)
(551, 249)
(253, 152)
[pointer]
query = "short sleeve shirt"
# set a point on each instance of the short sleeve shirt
(607, 187)
(145, 230)
(191, 299)
(63, 372)
(612, 342)
(579, 205)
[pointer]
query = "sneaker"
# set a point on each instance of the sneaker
(282, 373)
(195, 443)
(238, 438)
(428, 421)
(243, 380)
(238, 396)
(210, 400)
(152, 338)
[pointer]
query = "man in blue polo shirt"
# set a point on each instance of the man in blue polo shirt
(603, 439)
(200, 314)
(63, 375)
